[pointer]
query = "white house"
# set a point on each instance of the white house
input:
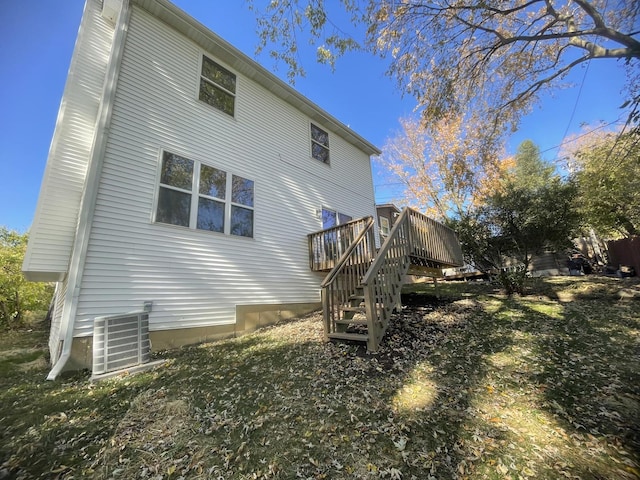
(182, 181)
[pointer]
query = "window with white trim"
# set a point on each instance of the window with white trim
(195, 195)
(217, 86)
(319, 144)
(385, 226)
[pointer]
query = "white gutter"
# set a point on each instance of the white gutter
(85, 218)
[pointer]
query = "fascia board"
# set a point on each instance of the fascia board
(209, 41)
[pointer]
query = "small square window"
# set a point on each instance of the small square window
(213, 182)
(242, 191)
(174, 207)
(176, 171)
(241, 221)
(319, 144)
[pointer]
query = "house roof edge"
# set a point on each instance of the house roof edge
(207, 39)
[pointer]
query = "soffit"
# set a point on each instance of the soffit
(209, 41)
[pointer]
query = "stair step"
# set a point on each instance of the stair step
(357, 297)
(352, 321)
(360, 337)
(354, 309)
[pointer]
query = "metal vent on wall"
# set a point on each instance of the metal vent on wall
(120, 341)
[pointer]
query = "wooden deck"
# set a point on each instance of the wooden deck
(363, 284)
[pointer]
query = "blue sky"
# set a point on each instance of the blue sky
(36, 43)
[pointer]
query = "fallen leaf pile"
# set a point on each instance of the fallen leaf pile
(478, 386)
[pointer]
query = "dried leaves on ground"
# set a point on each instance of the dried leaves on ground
(469, 384)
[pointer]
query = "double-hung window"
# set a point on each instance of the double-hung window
(241, 206)
(319, 144)
(211, 199)
(217, 86)
(195, 195)
(385, 227)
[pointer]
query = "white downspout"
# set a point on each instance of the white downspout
(87, 207)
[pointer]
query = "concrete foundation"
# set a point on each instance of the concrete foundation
(248, 319)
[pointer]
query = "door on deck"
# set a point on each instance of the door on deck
(333, 242)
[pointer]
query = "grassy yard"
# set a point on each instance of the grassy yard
(470, 384)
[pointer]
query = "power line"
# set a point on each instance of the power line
(575, 106)
(580, 136)
(627, 123)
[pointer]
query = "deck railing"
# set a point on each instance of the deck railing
(343, 280)
(358, 272)
(327, 246)
(432, 242)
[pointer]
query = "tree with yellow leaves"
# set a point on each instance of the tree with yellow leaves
(446, 169)
(493, 58)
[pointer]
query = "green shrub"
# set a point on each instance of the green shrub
(17, 295)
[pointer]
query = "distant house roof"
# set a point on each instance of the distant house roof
(388, 205)
(209, 41)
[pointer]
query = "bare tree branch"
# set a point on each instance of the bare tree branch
(490, 58)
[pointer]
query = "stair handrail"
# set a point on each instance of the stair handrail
(380, 256)
(392, 263)
(344, 278)
(342, 261)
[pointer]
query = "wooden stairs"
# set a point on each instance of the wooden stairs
(363, 284)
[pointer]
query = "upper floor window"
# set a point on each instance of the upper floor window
(217, 86)
(192, 194)
(319, 144)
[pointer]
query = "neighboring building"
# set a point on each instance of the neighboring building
(387, 214)
(182, 181)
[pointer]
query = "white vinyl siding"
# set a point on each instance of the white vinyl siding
(195, 278)
(56, 319)
(53, 231)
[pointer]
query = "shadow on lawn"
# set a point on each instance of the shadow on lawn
(451, 339)
(589, 356)
(463, 386)
(572, 365)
